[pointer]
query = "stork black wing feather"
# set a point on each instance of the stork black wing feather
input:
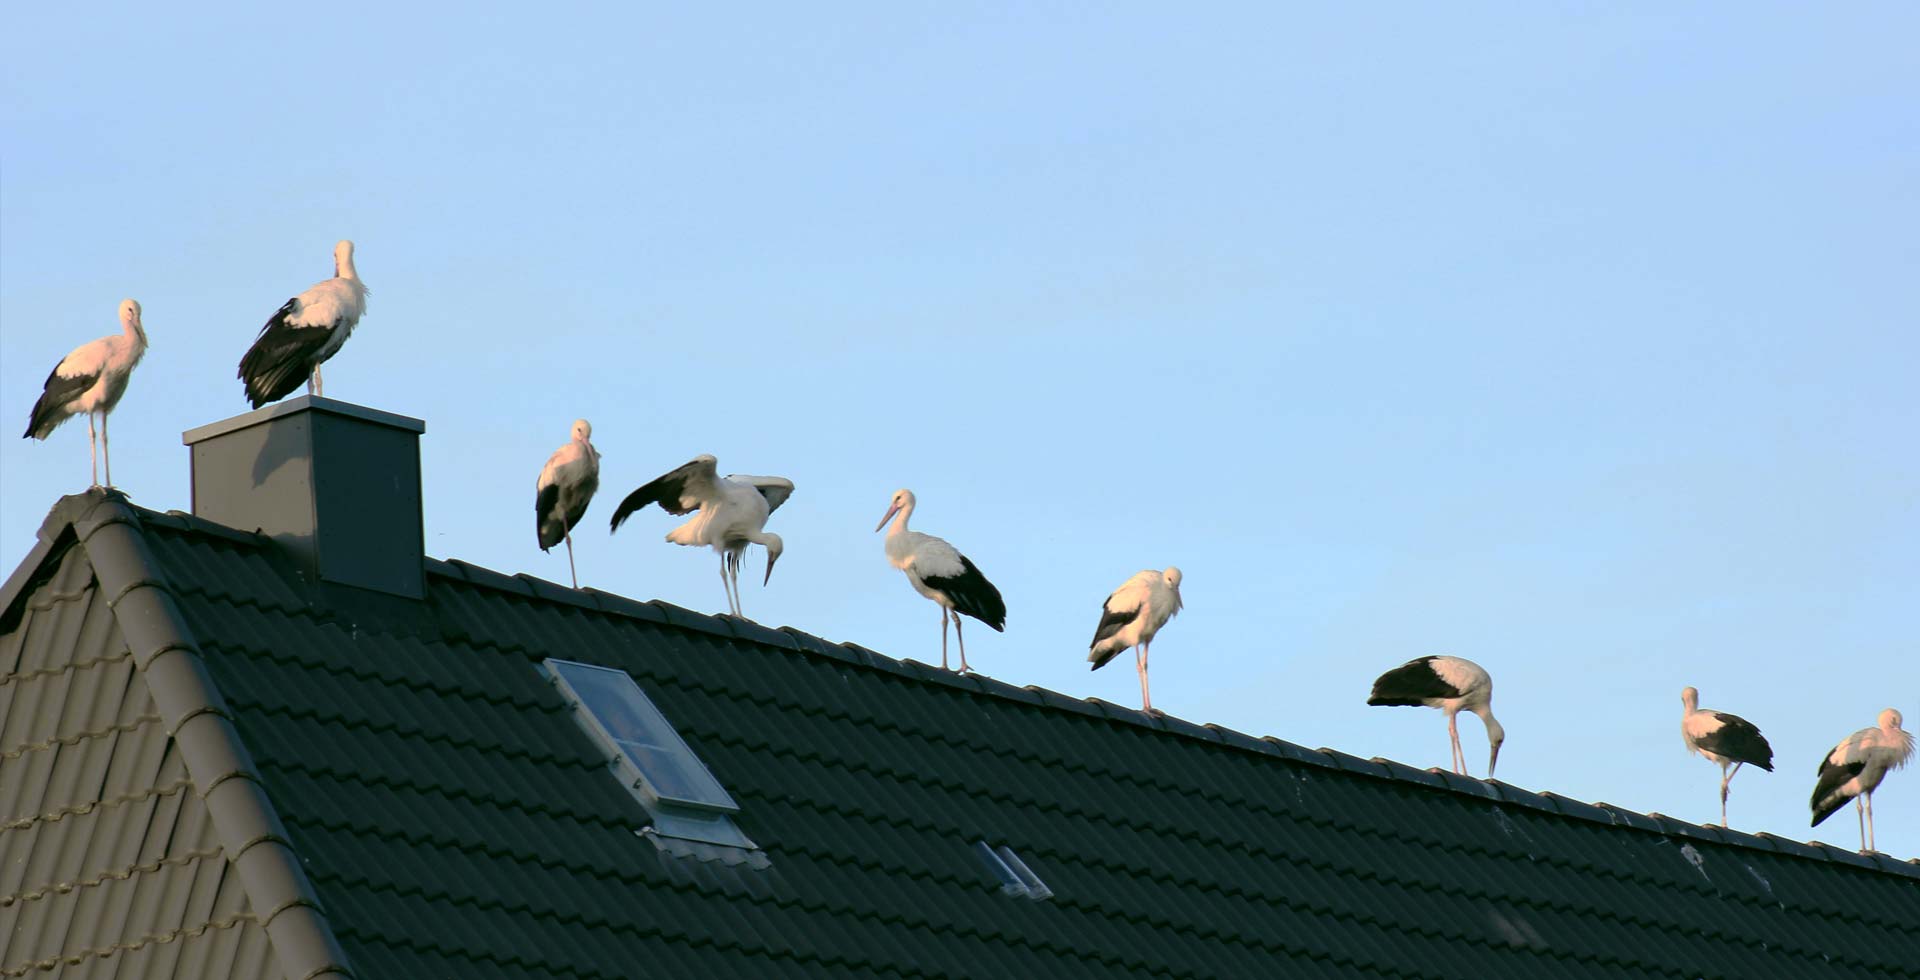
(1411, 683)
(547, 521)
(51, 409)
(282, 358)
(1825, 801)
(668, 491)
(973, 594)
(1739, 740)
(1112, 621)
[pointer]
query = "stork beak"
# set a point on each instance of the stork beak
(895, 509)
(1492, 759)
(770, 560)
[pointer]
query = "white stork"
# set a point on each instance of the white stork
(1131, 617)
(305, 332)
(1452, 684)
(1726, 740)
(565, 487)
(1854, 769)
(732, 514)
(91, 379)
(940, 572)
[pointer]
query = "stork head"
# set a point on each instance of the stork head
(774, 547)
(582, 431)
(1173, 577)
(1690, 697)
(1891, 719)
(1495, 735)
(902, 500)
(343, 259)
(130, 318)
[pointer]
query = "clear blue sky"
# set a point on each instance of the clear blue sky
(1580, 342)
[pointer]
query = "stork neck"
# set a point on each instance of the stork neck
(899, 525)
(131, 329)
(343, 268)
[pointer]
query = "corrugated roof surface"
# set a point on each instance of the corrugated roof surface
(456, 823)
(109, 864)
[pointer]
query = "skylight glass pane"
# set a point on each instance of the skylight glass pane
(637, 729)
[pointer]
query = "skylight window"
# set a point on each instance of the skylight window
(648, 755)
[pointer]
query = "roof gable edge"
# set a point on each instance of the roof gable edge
(196, 717)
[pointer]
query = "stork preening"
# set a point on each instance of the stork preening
(564, 489)
(1130, 619)
(1854, 769)
(91, 379)
(1724, 739)
(305, 332)
(732, 514)
(1452, 684)
(940, 572)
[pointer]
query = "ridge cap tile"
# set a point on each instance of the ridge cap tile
(996, 687)
(442, 568)
(688, 619)
(619, 605)
(1521, 797)
(488, 578)
(855, 653)
(934, 675)
(1674, 826)
(1237, 739)
(1095, 708)
(1787, 845)
(1570, 807)
(195, 524)
(764, 635)
(1839, 855)
(554, 591)
(1353, 763)
(1888, 862)
(1116, 712)
(1630, 818)
(1112, 711)
(1740, 838)
(1465, 784)
(1181, 726)
(1407, 773)
(1297, 752)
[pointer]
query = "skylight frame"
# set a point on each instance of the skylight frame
(706, 818)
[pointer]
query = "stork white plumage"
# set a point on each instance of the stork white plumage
(565, 487)
(306, 331)
(1724, 739)
(91, 379)
(1130, 619)
(1854, 769)
(1452, 684)
(732, 514)
(940, 572)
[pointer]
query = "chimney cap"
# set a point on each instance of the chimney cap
(301, 404)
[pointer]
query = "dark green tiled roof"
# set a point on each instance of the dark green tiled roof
(455, 822)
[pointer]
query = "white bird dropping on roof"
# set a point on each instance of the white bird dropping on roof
(1726, 740)
(940, 572)
(1131, 617)
(565, 487)
(305, 332)
(91, 379)
(1452, 684)
(1854, 769)
(732, 514)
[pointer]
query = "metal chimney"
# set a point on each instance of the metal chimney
(337, 485)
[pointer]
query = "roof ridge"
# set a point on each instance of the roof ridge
(1432, 778)
(528, 587)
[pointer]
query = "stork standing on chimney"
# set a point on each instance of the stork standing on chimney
(306, 331)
